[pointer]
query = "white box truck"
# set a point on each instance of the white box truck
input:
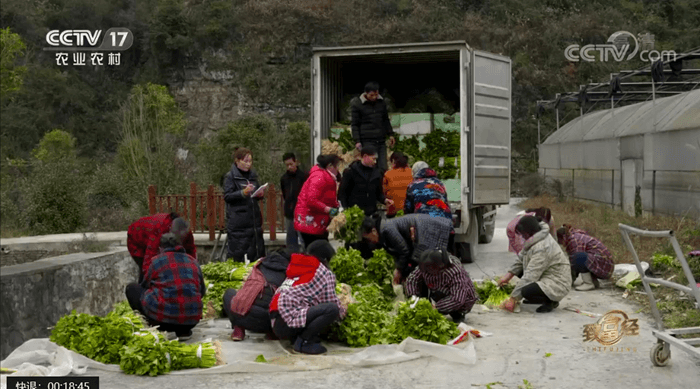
(479, 84)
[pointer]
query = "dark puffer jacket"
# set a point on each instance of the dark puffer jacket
(361, 186)
(370, 120)
(244, 219)
(274, 269)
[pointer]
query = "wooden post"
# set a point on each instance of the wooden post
(211, 212)
(152, 199)
(272, 210)
(193, 206)
(284, 221)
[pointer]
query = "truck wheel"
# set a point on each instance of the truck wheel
(463, 252)
(486, 227)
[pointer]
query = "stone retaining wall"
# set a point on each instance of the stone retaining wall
(33, 296)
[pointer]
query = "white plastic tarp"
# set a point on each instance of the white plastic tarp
(41, 357)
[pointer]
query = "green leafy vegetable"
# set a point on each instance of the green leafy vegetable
(365, 325)
(184, 356)
(348, 266)
(488, 287)
(422, 322)
(220, 276)
(260, 358)
(379, 270)
(350, 233)
(98, 338)
(146, 354)
(118, 338)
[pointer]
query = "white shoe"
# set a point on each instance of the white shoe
(578, 281)
(587, 282)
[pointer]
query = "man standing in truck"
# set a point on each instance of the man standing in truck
(371, 124)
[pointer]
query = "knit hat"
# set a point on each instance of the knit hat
(418, 166)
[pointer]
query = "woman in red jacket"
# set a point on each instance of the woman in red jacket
(318, 200)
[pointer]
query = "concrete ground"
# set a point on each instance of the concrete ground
(547, 350)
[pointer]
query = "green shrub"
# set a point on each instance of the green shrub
(113, 202)
(257, 133)
(55, 198)
(56, 145)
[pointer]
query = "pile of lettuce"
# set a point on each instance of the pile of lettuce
(376, 318)
(122, 337)
(220, 276)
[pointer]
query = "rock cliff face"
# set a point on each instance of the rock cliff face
(211, 99)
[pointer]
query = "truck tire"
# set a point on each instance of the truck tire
(487, 227)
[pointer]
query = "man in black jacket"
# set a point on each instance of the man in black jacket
(406, 237)
(291, 182)
(361, 184)
(370, 122)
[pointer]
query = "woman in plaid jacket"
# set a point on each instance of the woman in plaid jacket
(170, 295)
(306, 304)
(588, 256)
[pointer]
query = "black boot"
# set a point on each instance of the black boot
(547, 307)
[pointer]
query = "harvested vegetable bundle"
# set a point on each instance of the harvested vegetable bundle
(98, 338)
(379, 270)
(220, 276)
(422, 321)
(192, 356)
(146, 354)
(347, 229)
(490, 294)
(364, 325)
(372, 294)
(334, 148)
(496, 298)
(348, 266)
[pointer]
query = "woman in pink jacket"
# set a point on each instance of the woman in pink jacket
(318, 200)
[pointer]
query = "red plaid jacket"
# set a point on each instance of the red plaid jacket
(308, 284)
(174, 288)
(143, 237)
(599, 261)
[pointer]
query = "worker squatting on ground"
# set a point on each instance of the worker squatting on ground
(143, 238)
(543, 268)
(588, 256)
(170, 295)
(249, 307)
(443, 281)
(306, 303)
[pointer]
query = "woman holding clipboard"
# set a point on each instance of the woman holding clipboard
(243, 216)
